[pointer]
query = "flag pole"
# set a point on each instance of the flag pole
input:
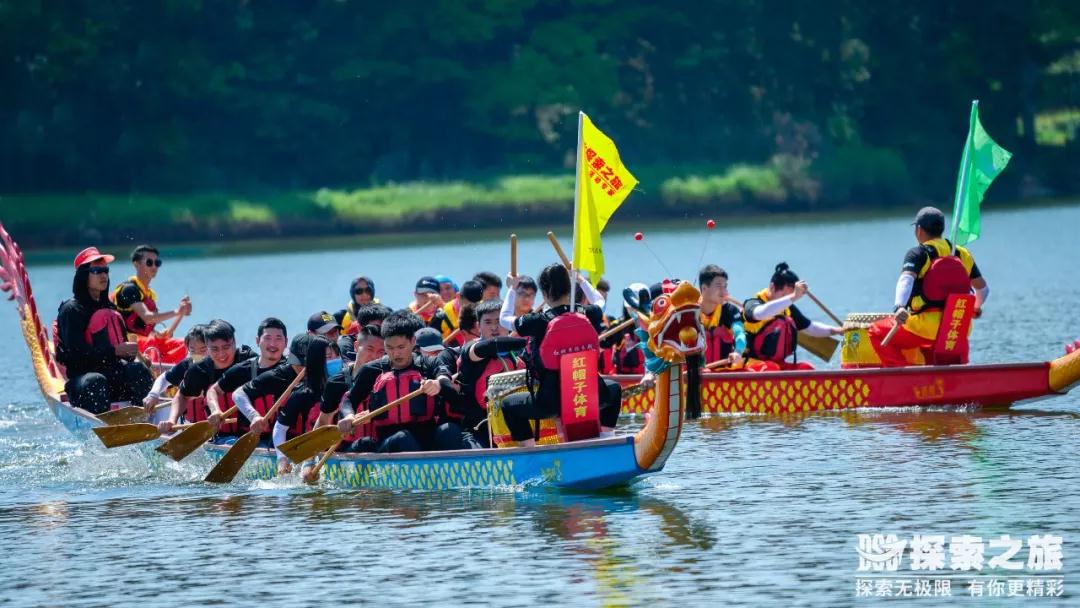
(577, 201)
(961, 187)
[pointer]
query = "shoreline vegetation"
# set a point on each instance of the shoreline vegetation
(206, 224)
(42, 221)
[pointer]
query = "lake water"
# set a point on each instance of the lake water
(750, 511)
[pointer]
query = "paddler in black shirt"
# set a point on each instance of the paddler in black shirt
(493, 352)
(221, 345)
(270, 339)
(368, 347)
(410, 426)
(91, 344)
(302, 410)
(544, 402)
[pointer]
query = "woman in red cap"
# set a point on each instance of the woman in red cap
(91, 342)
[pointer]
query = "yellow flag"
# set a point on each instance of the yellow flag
(603, 184)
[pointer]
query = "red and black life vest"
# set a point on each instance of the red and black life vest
(105, 329)
(567, 333)
(393, 384)
(945, 277)
(776, 339)
(493, 366)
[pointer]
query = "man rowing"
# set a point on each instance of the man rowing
(411, 426)
(492, 353)
(91, 342)
(271, 337)
(932, 271)
(448, 318)
(257, 396)
(578, 329)
(426, 300)
(303, 409)
(190, 401)
(720, 318)
(137, 302)
(772, 322)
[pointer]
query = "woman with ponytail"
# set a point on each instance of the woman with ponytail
(773, 323)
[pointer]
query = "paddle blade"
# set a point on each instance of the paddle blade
(299, 449)
(187, 441)
(126, 434)
(124, 415)
(822, 348)
(233, 460)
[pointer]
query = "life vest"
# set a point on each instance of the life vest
(106, 328)
(772, 339)
(132, 320)
(719, 339)
(196, 410)
(943, 275)
(393, 384)
(452, 310)
(567, 333)
(494, 366)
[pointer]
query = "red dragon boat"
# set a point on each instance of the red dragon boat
(788, 392)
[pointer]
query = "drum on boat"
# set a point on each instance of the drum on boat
(501, 386)
(856, 350)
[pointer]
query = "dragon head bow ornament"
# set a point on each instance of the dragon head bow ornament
(674, 329)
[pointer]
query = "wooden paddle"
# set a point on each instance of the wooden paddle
(449, 339)
(322, 439)
(617, 328)
(835, 318)
(559, 250)
(128, 434)
(822, 348)
(722, 363)
(183, 444)
(513, 255)
(233, 460)
(892, 332)
(131, 414)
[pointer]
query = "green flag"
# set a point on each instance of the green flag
(983, 160)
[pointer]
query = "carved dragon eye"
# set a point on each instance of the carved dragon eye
(660, 306)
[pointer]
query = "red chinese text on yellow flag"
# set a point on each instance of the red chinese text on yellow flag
(604, 184)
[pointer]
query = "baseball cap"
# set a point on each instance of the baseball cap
(427, 285)
(429, 341)
(298, 349)
(321, 323)
(91, 254)
(930, 219)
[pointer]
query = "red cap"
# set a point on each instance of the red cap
(91, 254)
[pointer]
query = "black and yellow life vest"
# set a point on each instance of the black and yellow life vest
(132, 321)
(938, 249)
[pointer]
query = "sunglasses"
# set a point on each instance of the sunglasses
(367, 290)
(156, 262)
(99, 270)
